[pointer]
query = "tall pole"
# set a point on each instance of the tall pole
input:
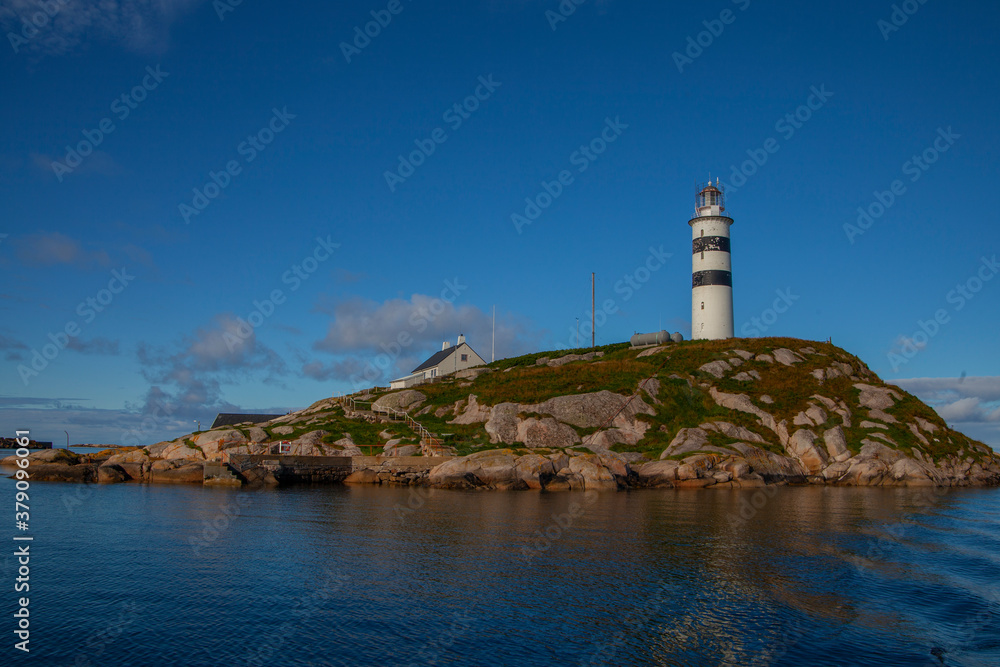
(593, 308)
(493, 354)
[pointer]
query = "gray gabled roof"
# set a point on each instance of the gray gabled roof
(435, 359)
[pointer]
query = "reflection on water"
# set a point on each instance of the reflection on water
(156, 575)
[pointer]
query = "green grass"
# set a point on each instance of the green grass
(620, 370)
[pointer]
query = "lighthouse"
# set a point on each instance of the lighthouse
(711, 266)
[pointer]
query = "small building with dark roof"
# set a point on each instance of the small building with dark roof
(232, 419)
(451, 359)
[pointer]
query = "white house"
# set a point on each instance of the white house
(451, 359)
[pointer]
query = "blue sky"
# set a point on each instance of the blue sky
(239, 153)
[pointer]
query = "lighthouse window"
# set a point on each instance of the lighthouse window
(703, 305)
(703, 232)
(703, 254)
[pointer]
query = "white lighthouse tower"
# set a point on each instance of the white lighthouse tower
(711, 266)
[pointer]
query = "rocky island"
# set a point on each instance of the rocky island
(737, 413)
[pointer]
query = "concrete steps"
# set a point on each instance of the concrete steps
(220, 474)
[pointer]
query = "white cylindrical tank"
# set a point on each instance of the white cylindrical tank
(711, 267)
(658, 338)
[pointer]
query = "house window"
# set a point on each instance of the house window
(434, 372)
(465, 357)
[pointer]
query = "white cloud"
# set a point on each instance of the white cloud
(985, 388)
(970, 403)
(369, 326)
(189, 378)
(396, 335)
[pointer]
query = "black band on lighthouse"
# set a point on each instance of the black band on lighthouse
(704, 278)
(703, 243)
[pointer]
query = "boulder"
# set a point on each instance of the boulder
(110, 474)
(593, 473)
(836, 444)
(786, 357)
(686, 441)
(562, 361)
(181, 451)
(134, 456)
(737, 468)
(802, 419)
(473, 412)
(190, 473)
(62, 472)
(560, 460)
(137, 471)
(400, 400)
(258, 435)
(836, 470)
(743, 353)
(658, 473)
(61, 456)
(283, 430)
(802, 446)
(594, 409)
(876, 398)
(502, 424)
(865, 472)
(156, 450)
(651, 351)
(565, 481)
(876, 450)
(768, 463)
(611, 437)
(223, 437)
(616, 464)
(310, 438)
(545, 432)
(717, 368)
(907, 472)
(686, 471)
(817, 415)
(493, 468)
(534, 470)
